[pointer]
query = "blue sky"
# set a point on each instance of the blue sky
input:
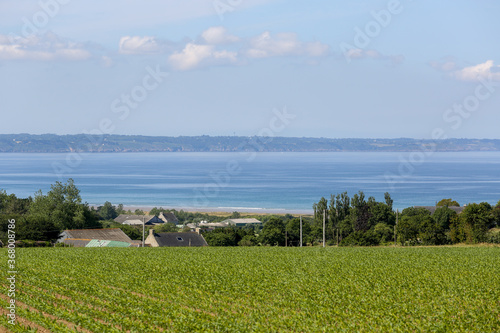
(340, 69)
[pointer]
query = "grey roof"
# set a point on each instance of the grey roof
(168, 217)
(139, 219)
(76, 242)
(242, 221)
(432, 209)
(213, 225)
(122, 218)
(180, 239)
(101, 234)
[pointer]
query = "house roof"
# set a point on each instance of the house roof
(100, 234)
(169, 239)
(76, 242)
(122, 218)
(107, 243)
(168, 217)
(207, 225)
(242, 221)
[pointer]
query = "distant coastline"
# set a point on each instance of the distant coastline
(81, 143)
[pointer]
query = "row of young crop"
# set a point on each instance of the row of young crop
(192, 290)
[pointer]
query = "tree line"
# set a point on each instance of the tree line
(361, 221)
(348, 221)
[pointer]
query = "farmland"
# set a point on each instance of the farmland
(259, 289)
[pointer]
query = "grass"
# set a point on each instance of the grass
(386, 289)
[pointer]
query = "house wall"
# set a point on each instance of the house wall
(151, 240)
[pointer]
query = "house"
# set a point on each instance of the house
(205, 226)
(95, 238)
(174, 239)
(243, 222)
(432, 209)
(147, 219)
(168, 218)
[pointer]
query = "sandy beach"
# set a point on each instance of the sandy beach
(215, 210)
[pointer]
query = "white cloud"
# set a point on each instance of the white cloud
(138, 45)
(196, 55)
(45, 47)
(218, 35)
(474, 73)
(283, 44)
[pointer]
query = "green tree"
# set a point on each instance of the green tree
(429, 232)
(37, 228)
(381, 213)
(120, 210)
(10, 204)
(473, 223)
(235, 215)
(63, 206)
(388, 200)
(293, 232)
(273, 232)
(343, 204)
(107, 211)
(448, 203)
(221, 237)
(443, 217)
(384, 232)
(166, 227)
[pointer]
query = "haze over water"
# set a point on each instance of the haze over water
(232, 181)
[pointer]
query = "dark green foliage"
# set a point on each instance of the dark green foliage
(131, 231)
(493, 236)
(166, 227)
(31, 243)
(37, 228)
(360, 238)
(418, 227)
(107, 211)
(293, 232)
(221, 237)
(384, 232)
(235, 215)
(388, 200)
(472, 224)
(10, 204)
(448, 203)
(63, 206)
(443, 217)
(231, 236)
(273, 232)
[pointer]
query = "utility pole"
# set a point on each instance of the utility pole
(286, 237)
(143, 230)
(301, 231)
(397, 216)
(324, 228)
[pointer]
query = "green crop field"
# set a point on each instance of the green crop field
(431, 289)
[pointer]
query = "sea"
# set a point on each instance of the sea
(257, 182)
